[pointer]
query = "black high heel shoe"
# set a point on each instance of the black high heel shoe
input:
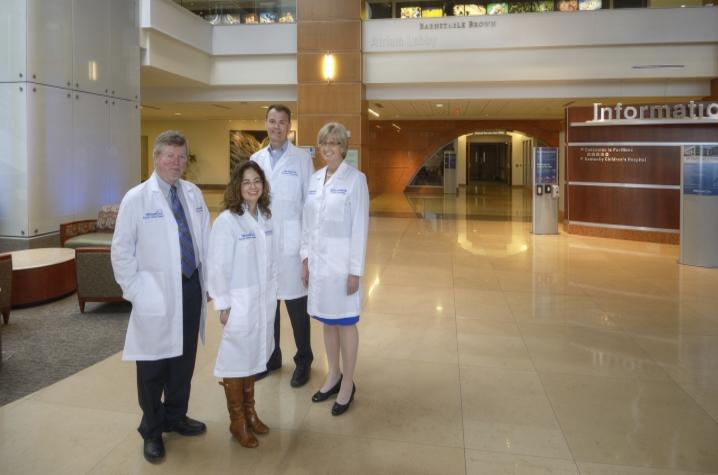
(319, 396)
(339, 409)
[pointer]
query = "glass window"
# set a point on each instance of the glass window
(233, 12)
(432, 172)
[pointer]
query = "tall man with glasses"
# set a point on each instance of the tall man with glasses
(288, 170)
(158, 250)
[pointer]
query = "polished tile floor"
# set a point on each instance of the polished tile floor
(484, 350)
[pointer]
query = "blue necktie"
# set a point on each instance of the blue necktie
(189, 264)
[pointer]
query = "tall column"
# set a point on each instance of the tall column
(330, 26)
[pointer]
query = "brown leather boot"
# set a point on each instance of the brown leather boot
(233, 389)
(249, 412)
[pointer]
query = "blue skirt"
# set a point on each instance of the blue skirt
(346, 321)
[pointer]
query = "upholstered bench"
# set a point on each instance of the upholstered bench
(92, 240)
(90, 232)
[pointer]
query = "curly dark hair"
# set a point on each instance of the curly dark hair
(233, 200)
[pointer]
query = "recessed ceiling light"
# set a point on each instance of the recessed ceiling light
(178, 113)
(265, 107)
(439, 105)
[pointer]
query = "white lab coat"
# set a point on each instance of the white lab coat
(242, 276)
(336, 221)
(288, 182)
(147, 265)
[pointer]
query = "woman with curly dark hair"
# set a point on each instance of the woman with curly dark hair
(242, 282)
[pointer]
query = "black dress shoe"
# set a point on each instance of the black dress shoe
(154, 449)
(300, 376)
(271, 366)
(339, 409)
(320, 396)
(187, 426)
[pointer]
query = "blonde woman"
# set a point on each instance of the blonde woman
(334, 236)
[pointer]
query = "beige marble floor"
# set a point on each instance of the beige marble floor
(484, 350)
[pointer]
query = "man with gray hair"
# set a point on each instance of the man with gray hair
(158, 249)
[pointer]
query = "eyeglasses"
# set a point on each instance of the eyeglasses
(257, 182)
(330, 144)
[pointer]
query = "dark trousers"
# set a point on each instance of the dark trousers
(298, 316)
(171, 376)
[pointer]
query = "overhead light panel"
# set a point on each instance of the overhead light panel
(373, 112)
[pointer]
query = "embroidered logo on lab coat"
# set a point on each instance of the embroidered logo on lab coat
(245, 236)
(199, 209)
(312, 192)
(153, 214)
(290, 172)
(268, 232)
(342, 191)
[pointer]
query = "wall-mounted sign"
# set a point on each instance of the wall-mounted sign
(611, 154)
(546, 165)
(700, 170)
(352, 158)
(310, 150)
(651, 114)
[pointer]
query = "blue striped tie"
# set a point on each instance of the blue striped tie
(189, 264)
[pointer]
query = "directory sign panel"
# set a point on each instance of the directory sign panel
(700, 170)
(546, 165)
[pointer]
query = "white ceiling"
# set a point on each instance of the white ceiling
(207, 110)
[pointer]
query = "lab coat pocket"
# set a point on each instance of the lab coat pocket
(335, 206)
(291, 237)
(287, 186)
(338, 256)
(150, 299)
(243, 316)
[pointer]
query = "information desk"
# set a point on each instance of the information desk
(42, 274)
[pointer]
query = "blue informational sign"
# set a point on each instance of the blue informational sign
(700, 170)
(449, 160)
(546, 165)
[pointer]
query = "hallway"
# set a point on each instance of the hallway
(483, 349)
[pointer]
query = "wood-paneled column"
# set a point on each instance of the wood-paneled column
(330, 26)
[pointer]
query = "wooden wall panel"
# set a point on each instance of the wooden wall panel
(623, 164)
(650, 208)
(312, 123)
(329, 9)
(631, 235)
(678, 133)
(334, 36)
(644, 133)
(394, 156)
(638, 207)
(348, 67)
(333, 98)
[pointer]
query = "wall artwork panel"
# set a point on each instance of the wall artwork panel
(244, 143)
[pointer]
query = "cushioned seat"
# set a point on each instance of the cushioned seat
(95, 279)
(5, 285)
(90, 240)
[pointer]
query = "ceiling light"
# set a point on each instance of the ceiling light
(439, 105)
(372, 112)
(265, 107)
(396, 126)
(329, 67)
(178, 113)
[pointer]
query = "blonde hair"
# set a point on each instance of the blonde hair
(337, 132)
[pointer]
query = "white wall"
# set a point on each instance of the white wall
(208, 139)
(517, 159)
(461, 160)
